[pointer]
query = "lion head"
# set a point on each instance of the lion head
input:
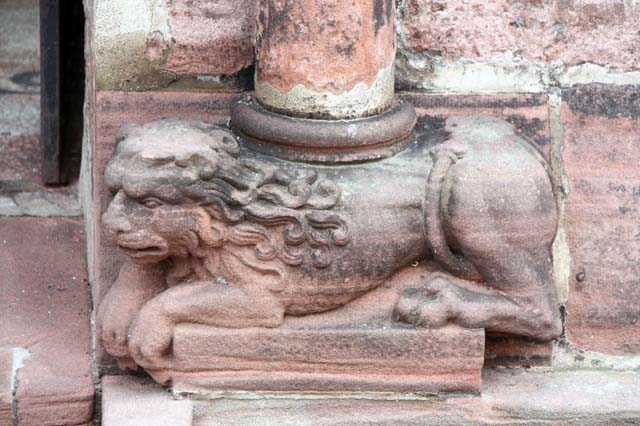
(182, 189)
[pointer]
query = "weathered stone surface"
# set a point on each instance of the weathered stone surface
(19, 115)
(20, 158)
(18, 45)
(112, 110)
(572, 32)
(147, 44)
(21, 190)
(461, 46)
(133, 401)
(516, 352)
(25, 198)
(6, 387)
(529, 114)
(349, 349)
(45, 318)
(383, 359)
(211, 37)
(566, 397)
(509, 397)
(602, 159)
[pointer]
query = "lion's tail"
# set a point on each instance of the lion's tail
(444, 157)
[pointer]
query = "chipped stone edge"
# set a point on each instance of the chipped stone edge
(560, 249)
(566, 356)
(308, 395)
(504, 74)
(19, 356)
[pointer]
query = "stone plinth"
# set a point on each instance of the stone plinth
(509, 397)
(381, 359)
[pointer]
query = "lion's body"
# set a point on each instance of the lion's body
(299, 239)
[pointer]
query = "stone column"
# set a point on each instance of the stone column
(326, 59)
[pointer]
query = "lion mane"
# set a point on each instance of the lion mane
(284, 214)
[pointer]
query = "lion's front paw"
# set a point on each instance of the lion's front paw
(114, 320)
(432, 305)
(150, 338)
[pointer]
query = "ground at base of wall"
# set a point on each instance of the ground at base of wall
(45, 360)
(509, 397)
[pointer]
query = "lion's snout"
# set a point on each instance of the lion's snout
(114, 220)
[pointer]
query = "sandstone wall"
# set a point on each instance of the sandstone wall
(566, 73)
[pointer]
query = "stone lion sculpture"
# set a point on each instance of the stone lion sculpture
(222, 237)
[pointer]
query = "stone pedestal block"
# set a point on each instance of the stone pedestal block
(381, 358)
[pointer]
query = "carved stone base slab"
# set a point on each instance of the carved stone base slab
(383, 359)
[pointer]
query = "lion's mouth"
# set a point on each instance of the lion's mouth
(141, 250)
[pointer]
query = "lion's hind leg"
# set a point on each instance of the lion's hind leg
(444, 299)
(491, 218)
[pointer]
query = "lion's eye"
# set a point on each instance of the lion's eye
(152, 203)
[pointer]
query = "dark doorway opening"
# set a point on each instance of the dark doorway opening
(62, 77)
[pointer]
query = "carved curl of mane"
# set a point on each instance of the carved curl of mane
(285, 215)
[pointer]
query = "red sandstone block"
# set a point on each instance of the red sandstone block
(386, 359)
(211, 37)
(602, 161)
(574, 31)
(528, 113)
(132, 401)
(509, 397)
(45, 316)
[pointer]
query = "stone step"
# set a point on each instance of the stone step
(45, 361)
(509, 397)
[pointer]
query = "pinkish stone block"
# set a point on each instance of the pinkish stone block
(133, 401)
(46, 315)
(528, 113)
(211, 37)
(602, 159)
(351, 360)
(510, 397)
(575, 31)
(6, 388)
